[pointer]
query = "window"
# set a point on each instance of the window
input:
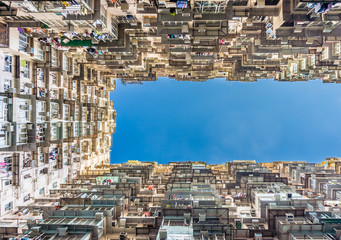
(23, 42)
(9, 206)
(8, 161)
(54, 184)
(8, 182)
(89, 75)
(40, 74)
(26, 197)
(75, 68)
(65, 62)
(8, 63)
(54, 58)
(42, 191)
(53, 78)
(39, 53)
(41, 158)
(25, 68)
(312, 60)
(325, 53)
(337, 48)
(7, 84)
(89, 3)
(114, 28)
(303, 64)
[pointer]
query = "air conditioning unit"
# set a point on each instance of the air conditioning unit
(171, 4)
(202, 217)
(98, 216)
(310, 40)
(140, 211)
(255, 223)
(289, 217)
(185, 28)
(36, 212)
(202, 28)
(62, 231)
(258, 236)
(35, 230)
(298, 29)
(187, 217)
(163, 234)
(123, 222)
(31, 221)
(123, 235)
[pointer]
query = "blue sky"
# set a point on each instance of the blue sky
(218, 121)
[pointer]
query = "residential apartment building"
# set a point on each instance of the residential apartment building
(56, 116)
(181, 200)
(59, 61)
(194, 40)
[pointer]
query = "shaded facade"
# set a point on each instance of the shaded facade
(59, 61)
(194, 40)
(185, 200)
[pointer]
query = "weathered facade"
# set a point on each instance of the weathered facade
(59, 61)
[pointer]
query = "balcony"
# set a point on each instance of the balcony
(184, 15)
(179, 50)
(146, 9)
(4, 36)
(202, 56)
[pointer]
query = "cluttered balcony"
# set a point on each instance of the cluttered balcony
(209, 7)
(56, 132)
(175, 228)
(176, 15)
(61, 222)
